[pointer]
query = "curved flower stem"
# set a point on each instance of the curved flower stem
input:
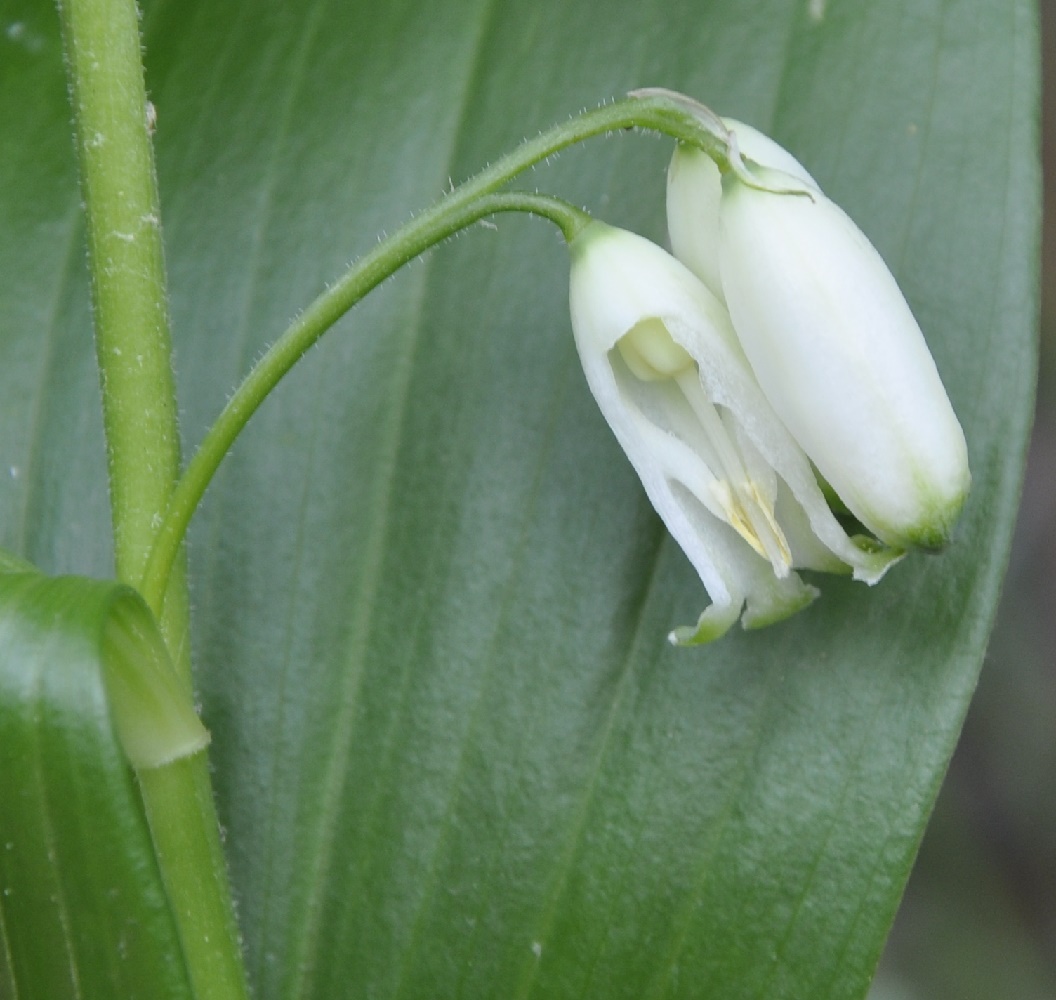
(470, 202)
(426, 231)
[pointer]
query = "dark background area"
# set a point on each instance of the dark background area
(979, 917)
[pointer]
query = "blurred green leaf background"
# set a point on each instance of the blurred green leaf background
(978, 921)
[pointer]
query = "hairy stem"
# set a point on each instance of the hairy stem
(127, 270)
(430, 228)
(179, 805)
(102, 45)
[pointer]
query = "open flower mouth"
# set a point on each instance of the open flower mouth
(733, 486)
(698, 445)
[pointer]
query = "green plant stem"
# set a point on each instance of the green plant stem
(191, 857)
(660, 111)
(102, 45)
(132, 341)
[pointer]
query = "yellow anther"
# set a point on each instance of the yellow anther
(752, 517)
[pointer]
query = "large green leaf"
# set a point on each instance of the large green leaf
(83, 912)
(453, 753)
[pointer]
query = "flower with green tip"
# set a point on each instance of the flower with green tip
(842, 360)
(829, 336)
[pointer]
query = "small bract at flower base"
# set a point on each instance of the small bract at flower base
(694, 194)
(733, 488)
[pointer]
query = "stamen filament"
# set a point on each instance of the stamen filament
(748, 511)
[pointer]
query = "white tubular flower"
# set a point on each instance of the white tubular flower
(843, 362)
(733, 488)
(830, 339)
